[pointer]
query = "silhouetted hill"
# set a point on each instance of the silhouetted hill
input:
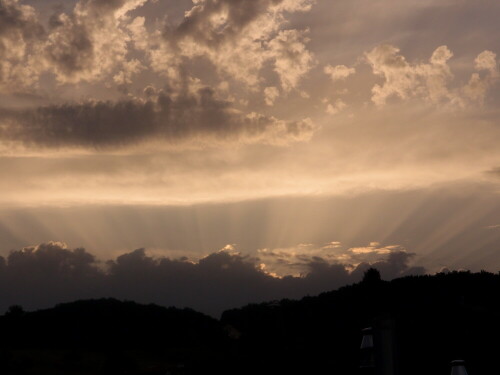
(105, 322)
(424, 321)
(106, 336)
(431, 319)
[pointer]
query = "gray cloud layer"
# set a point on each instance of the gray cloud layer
(173, 118)
(49, 273)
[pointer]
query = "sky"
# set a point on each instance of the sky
(274, 135)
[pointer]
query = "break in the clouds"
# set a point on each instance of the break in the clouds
(46, 274)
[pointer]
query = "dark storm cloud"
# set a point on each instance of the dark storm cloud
(47, 274)
(173, 118)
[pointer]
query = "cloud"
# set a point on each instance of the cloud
(405, 80)
(194, 113)
(336, 107)
(270, 95)
(91, 42)
(46, 274)
(478, 85)
(486, 60)
(52, 259)
(395, 265)
(369, 250)
(237, 37)
(339, 72)
(292, 59)
(429, 81)
(88, 44)
(104, 44)
(495, 172)
(97, 40)
(212, 23)
(304, 258)
(41, 275)
(20, 32)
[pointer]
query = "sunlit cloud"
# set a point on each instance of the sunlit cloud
(297, 259)
(338, 72)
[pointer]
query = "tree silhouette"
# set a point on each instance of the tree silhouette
(371, 276)
(15, 311)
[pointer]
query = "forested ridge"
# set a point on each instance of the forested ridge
(431, 320)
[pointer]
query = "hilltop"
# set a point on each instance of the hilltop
(430, 320)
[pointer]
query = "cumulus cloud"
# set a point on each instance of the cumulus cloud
(486, 60)
(97, 41)
(292, 59)
(336, 107)
(50, 273)
(20, 33)
(270, 95)
(90, 42)
(339, 72)
(87, 44)
(102, 43)
(404, 80)
(300, 258)
(130, 68)
(429, 81)
(43, 274)
(237, 37)
(478, 85)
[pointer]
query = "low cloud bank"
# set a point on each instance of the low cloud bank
(41, 276)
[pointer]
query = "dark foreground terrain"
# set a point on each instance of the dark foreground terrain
(420, 324)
